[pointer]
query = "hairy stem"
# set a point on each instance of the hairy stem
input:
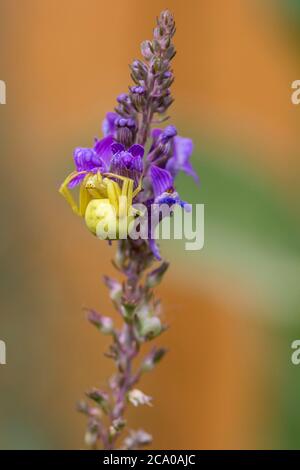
(126, 341)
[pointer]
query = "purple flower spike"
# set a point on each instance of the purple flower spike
(183, 149)
(103, 173)
(162, 180)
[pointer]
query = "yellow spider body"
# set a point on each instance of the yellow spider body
(105, 204)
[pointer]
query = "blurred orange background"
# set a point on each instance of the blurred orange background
(227, 381)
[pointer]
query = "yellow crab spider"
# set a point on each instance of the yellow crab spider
(101, 199)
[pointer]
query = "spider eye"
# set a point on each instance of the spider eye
(91, 182)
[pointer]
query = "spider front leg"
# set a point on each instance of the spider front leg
(113, 193)
(138, 188)
(66, 193)
(126, 195)
(84, 198)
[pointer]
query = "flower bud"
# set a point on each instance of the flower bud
(104, 324)
(137, 439)
(95, 412)
(171, 52)
(153, 358)
(128, 311)
(92, 433)
(115, 288)
(125, 131)
(101, 398)
(83, 407)
(155, 277)
(120, 256)
(150, 327)
(123, 98)
(137, 94)
(165, 103)
(158, 33)
(147, 50)
(117, 425)
(90, 438)
(139, 70)
(136, 398)
(166, 22)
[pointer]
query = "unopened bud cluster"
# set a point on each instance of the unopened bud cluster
(152, 77)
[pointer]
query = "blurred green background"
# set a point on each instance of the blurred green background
(228, 380)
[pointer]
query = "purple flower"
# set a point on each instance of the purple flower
(108, 125)
(160, 139)
(86, 160)
(161, 179)
(178, 151)
(180, 160)
(122, 98)
(172, 198)
(127, 163)
(109, 156)
(91, 160)
(168, 133)
(140, 90)
(103, 149)
(164, 193)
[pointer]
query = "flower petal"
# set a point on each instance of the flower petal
(116, 147)
(162, 180)
(136, 150)
(154, 248)
(108, 125)
(103, 149)
(183, 149)
(137, 164)
(171, 199)
(155, 136)
(156, 133)
(76, 180)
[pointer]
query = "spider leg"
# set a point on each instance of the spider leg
(129, 194)
(126, 196)
(138, 188)
(99, 177)
(66, 193)
(114, 175)
(124, 178)
(84, 198)
(113, 193)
